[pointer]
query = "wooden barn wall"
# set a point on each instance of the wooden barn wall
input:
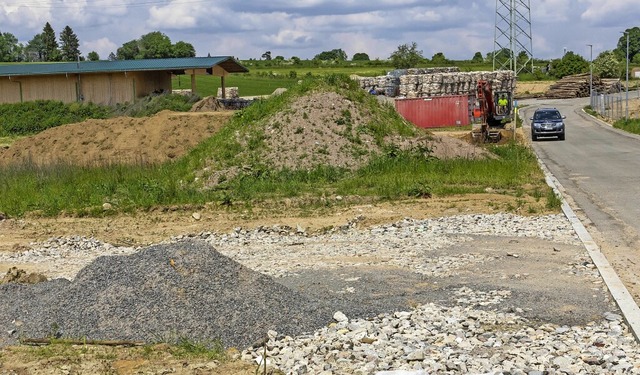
(107, 88)
(9, 91)
(59, 87)
(149, 82)
(99, 88)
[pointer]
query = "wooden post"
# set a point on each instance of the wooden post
(222, 85)
(194, 89)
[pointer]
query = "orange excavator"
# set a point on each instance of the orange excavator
(491, 111)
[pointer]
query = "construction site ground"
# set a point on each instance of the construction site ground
(161, 138)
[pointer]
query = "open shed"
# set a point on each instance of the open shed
(106, 82)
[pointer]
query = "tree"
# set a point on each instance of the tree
(35, 49)
(361, 56)
(333, 55)
(607, 65)
(154, 45)
(406, 56)
(10, 49)
(50, 43)
(295, 60)
(93, 56)
(128, 51)
(69, 45)
(477, 58)
(439, 58)
(183, 49)
(267, 55)
(112, 57)
(569, 64)
(634, 44)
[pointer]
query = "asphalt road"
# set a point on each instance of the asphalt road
(599, 169)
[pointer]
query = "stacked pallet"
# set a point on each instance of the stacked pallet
(579, 86)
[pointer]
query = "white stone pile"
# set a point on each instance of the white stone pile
(432, 339)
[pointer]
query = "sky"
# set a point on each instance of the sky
(246, 29)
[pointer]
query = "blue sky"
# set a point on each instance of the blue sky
(304, 28)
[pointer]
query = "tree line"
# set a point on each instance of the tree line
(47, 47)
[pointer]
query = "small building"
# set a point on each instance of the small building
(106, 82)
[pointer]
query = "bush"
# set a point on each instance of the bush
(33, 117)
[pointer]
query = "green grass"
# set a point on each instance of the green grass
(248, 84)
(631, 125)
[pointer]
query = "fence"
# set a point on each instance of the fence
(613, 106)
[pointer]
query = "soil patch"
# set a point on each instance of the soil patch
(165, 136)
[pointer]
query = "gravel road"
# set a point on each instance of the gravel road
(467, 294)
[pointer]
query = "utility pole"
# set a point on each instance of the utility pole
(590, 75)
(627, 83)
(512, 36)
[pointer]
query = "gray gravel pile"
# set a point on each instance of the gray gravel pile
(162, 293)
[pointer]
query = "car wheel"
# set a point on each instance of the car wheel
(534, 137)
(561, 137)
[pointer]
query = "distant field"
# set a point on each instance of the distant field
(263, 80)
(248, 85)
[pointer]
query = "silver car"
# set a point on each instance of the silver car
(547, 122)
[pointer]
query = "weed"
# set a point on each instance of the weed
(553, 200)
(186, 348)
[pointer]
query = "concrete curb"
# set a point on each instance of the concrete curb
(619, 292)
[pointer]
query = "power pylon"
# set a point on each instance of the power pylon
(512, 45)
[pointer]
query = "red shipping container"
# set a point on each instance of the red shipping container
(436, 111)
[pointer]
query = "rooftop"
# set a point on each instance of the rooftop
(176, 66)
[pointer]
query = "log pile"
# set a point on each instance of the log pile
(419, 83)
(578, 86)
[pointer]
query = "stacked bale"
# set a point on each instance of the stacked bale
(462, 83)
(418, 83)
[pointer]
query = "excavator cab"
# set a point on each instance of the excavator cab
(491, 111)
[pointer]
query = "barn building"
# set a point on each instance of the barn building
(106, 82)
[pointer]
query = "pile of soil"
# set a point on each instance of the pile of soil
(162, 137)
(312, 132)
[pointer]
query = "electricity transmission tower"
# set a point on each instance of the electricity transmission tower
(512, 45)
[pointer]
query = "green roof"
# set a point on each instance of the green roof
(177, 65)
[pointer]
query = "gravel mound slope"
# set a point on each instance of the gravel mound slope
(162, 293)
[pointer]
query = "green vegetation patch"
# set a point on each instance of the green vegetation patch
(250, 181)
(631, 125)
(33, 117)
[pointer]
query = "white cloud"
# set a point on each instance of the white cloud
(304, 28)
(102, 46)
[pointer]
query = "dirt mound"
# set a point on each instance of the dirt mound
(322, 128)
(210, 103)
(20, 276)
(165, 136)
(317, 129)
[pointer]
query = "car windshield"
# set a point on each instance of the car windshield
(548, 115)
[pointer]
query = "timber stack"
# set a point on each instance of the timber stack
(420, 83)
(578, 86)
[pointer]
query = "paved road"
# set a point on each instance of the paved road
(599, 168)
